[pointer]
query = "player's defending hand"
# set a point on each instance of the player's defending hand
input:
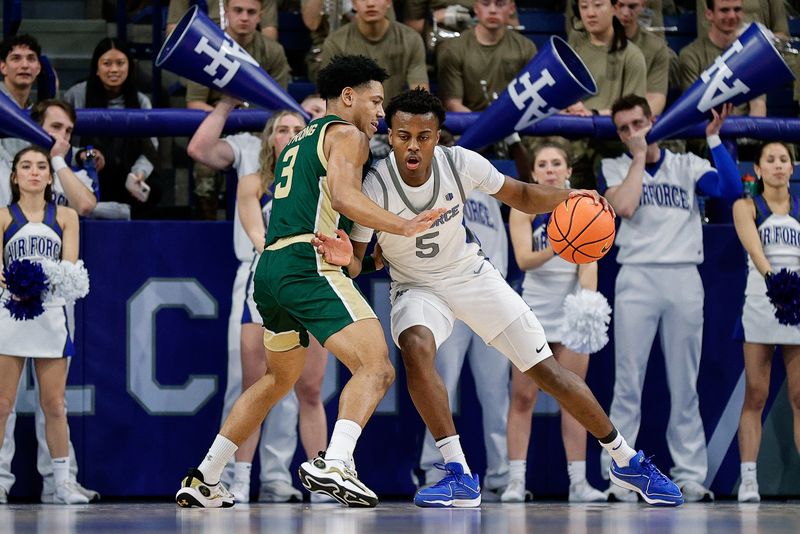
(422, 222)
(596, 197)
(715, 124)
(334, 250)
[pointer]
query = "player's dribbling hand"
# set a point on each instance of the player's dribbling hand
(422, 222)
(595, 196)
(334, 250)
(715, 124)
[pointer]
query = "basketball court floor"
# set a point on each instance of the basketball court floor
(403, 517)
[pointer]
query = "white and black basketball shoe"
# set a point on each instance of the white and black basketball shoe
(338, 480)
(195, 492)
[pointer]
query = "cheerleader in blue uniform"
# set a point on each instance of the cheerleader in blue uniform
(768, 226)
(34, 228)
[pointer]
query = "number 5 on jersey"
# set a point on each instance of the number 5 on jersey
(427, 248)
(284, 183)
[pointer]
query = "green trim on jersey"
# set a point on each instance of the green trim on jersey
(302, 200)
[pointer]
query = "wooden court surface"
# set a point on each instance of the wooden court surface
(152, 517)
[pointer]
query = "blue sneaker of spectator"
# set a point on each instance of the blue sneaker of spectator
(643, 477)
(455, 490)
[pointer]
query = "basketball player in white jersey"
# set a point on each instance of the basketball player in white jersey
(484, 220)
(768, 226)
(246, 153)
(73, 188)
(660, 244)
(34, 228)
(441, 275)
(549, 279)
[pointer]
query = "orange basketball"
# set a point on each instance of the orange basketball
(580, 231)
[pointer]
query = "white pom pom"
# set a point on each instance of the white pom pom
(586, 315)
(67, 280)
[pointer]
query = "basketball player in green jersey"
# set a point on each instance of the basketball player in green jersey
(317, 190)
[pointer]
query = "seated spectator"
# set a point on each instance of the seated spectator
(129, 161)
(242, 18)
(770, 13)
(479, 64)
(725, 20)
(451, 14)
(268, 21)
(657, 55)
(394, 46)
(314, 105)
(321, 23)
(618, 67)
(19, 65)
(652, 15)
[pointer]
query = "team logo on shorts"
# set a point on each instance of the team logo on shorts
(448, 196)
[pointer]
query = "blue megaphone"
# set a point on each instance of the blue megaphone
(198, 50)
(553, 80)
(14, 122)
(749, 67)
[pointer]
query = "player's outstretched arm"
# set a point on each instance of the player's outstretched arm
(347, 149)
(536, 198)
(206, 147)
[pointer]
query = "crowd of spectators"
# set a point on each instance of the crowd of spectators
(465, 51)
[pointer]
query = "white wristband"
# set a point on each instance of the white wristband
(713, 141)
(58, 163)
(512, 139)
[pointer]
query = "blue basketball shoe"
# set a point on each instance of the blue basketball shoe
(643, 477)
(455, 490)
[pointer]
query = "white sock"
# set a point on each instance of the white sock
(516, 469)
(343, 440)
(221, 451)
(241, 471)
(450, 448)
(748, 470)
(60, 470)
(576, 471)
(619, 450)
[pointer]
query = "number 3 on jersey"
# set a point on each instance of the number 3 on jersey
(284, 184)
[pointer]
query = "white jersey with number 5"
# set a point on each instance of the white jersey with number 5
(447, 248)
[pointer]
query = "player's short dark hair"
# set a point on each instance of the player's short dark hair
(624, 103)
(40, 108)
(348, 71)
(417, 102)
(710, 5)
(23, 39)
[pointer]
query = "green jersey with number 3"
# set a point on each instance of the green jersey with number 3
(302, 199)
